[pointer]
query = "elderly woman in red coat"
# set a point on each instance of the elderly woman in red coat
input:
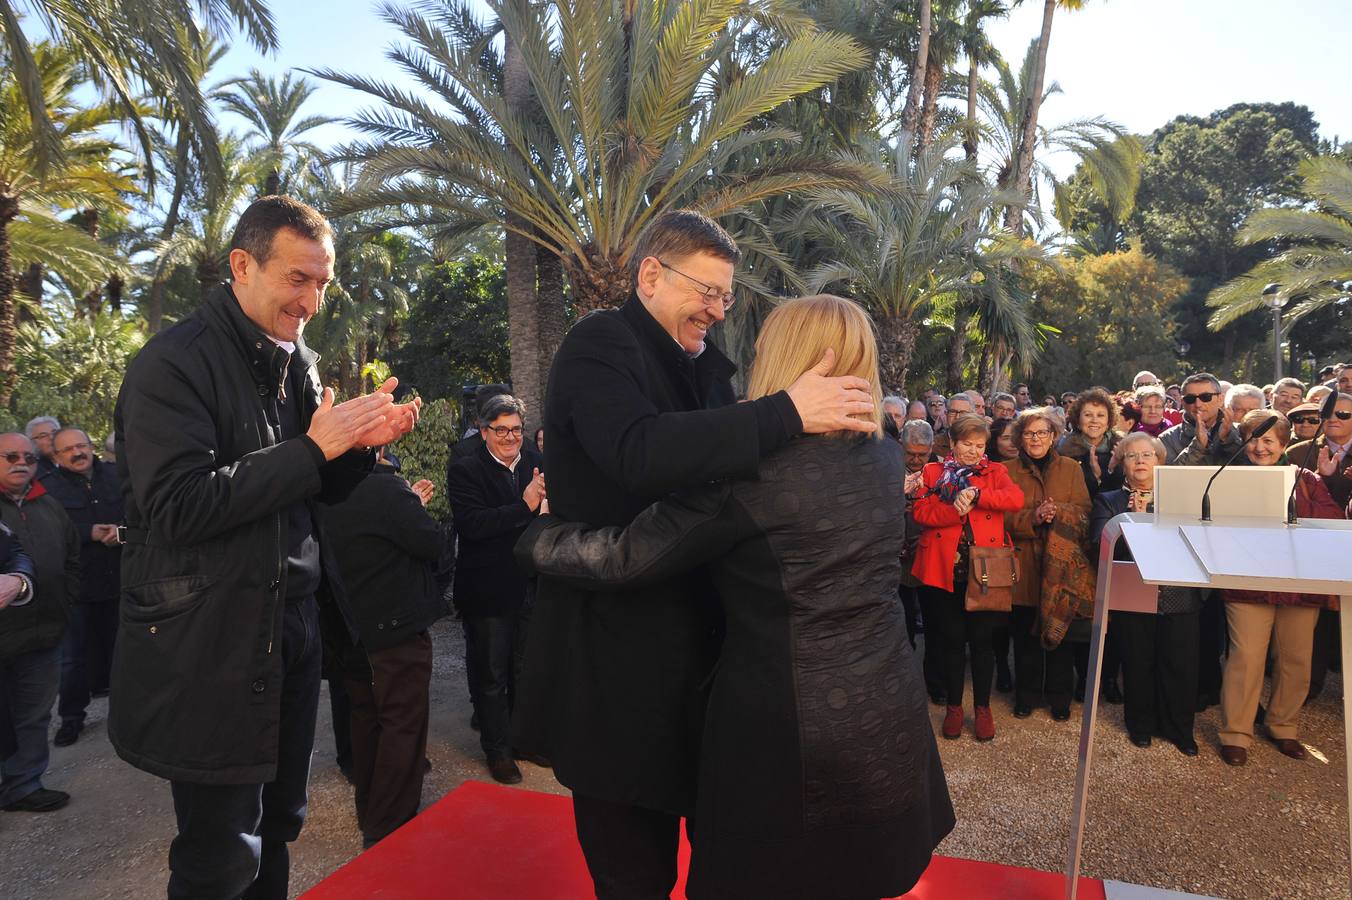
(965, 499)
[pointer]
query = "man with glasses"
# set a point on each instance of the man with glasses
(1022, 396)
(1331, 453)
(32, 619)
(1145, 378)
(91, 494)
(1287, 394)
(641, 404)
(41, 431)
(495, 493)
(1207, 435)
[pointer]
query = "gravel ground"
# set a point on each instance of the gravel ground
(1274, 829)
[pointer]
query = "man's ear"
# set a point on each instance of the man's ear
(649, 270)
(242, 265)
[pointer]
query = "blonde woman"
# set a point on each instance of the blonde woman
(819, 773)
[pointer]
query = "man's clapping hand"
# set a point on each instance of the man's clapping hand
(534, 494)
(10, 588)
(368, 421)
(826, 404)
(104, 534)
(425, 490)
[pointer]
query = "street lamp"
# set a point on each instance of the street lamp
(1273, 300)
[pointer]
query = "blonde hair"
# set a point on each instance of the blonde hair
(797, 333)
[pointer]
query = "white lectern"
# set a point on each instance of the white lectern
(1245, 553)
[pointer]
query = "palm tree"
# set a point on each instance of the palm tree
(625, 127)
(1314, 265)
(271, 107)
(910, 114)
(126, 45)
(1026, 146)
(929, 237)
(32, 199)
(976, 46)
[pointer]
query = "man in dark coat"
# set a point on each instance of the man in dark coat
(42, 431)
(224, 439)
(92, 497)
(32, 618)
(494, 494)
(638, 405)
(387, 549)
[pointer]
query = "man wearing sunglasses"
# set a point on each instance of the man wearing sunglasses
(91, 494)
(1207, 435)
(32, 620)
(1331, 455)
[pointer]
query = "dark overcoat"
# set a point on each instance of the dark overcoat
(96, 500)
(207, 481)
(819, 774)
(611, 690)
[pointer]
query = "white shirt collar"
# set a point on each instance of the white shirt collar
(511, 467)
(288, 346)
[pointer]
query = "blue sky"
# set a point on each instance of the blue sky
(1138, 62)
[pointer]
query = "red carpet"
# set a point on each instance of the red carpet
(485, 842)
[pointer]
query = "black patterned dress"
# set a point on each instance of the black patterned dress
(819, 775)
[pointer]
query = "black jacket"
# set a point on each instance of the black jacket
(386, 548)
(611, 691)
(489, 515)
(41, 527)
(93, 501)
(197, 674)
(819, 774)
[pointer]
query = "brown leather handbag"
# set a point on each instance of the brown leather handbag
(992, 573)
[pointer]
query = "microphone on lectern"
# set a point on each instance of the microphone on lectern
(1262, 429)
(1325, 413)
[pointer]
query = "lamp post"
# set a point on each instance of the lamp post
(1273, 300)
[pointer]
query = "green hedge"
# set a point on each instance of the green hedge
(424, 452)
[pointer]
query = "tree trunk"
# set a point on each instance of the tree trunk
(983, 369)
(30, 285)
(154, 311)
(957, 348)
(1023, 157)
(551, 307)
(115, 286)
(93, 300)
(929, 107)
(896, 346)
(969, 131)
(523, 319)
(208, 276)
(9, 209)
(601, 284)
(273, 183)
(910, 113)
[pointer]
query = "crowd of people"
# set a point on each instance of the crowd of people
(729, 612)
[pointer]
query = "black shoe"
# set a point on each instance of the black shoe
(1079, 693)
(99, 694)
(41, 800)
(1111, 693)
(427, 765)
(1207, 698)
(1004, 682)
(533, 758)
(938, 698)
(347, 773)
(1141, 740)
(68, 733)
(1022, 710)
(1061, 715)
(504, 770)
(474, 721)
(1187, 748)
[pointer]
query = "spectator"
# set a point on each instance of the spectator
(91, 494)
(540, 441)
(387, 549)
(472, 440)
(1055, 509)
(1259, 619)
(41, 431)
(978, 402)
(1001, 446)
(798, 639)
(224, 442)
(1022, 397)
(494, 494)
(915, 412)
(937, 407)
(958, 405)
(1304, 419)
(1145, 378)
(1151, 408)
(1004, 406)
(32, 618)
(963, 502)
(895, 408)
(1327, 374)
(1068, 399)
(1159, 651)
(1344, 385)
(1093, 435)
(917, 442)
(1216, 439)
(1331, 453)
(1174, 394)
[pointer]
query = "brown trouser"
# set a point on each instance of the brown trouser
(1291, 631)
(389, 735)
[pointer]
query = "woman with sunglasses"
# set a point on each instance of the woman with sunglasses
(1286, 622)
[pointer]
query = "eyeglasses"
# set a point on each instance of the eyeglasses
(504, 432)
(1040, 435)
(1140, 457)
(1190, 399)
(14, 458)
(712, 295)
(41, 435)
(81, 446)
(1343, 414)
(1304, 420)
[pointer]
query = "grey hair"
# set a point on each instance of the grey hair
(1290, 383)
(917, 431)
(961, 396)
(1001, 395)
(40, 420)
(1252, 391)
(1150, 390)
(1161, 452)
(897, 401)
(501, 405)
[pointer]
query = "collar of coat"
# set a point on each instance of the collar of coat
(35, 490)
(268, 362)
(711, 363)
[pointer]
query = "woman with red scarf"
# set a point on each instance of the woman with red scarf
(963, 504)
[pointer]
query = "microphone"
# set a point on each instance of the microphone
(1325, 413)
(1262, 429)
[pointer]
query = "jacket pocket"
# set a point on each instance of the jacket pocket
(164, 598)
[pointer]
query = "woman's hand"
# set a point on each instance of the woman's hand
(1046, 511)
(1094, 464)
(962, 504)
(1138, 502)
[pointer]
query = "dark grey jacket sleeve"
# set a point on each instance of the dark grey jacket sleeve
(666, 539)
